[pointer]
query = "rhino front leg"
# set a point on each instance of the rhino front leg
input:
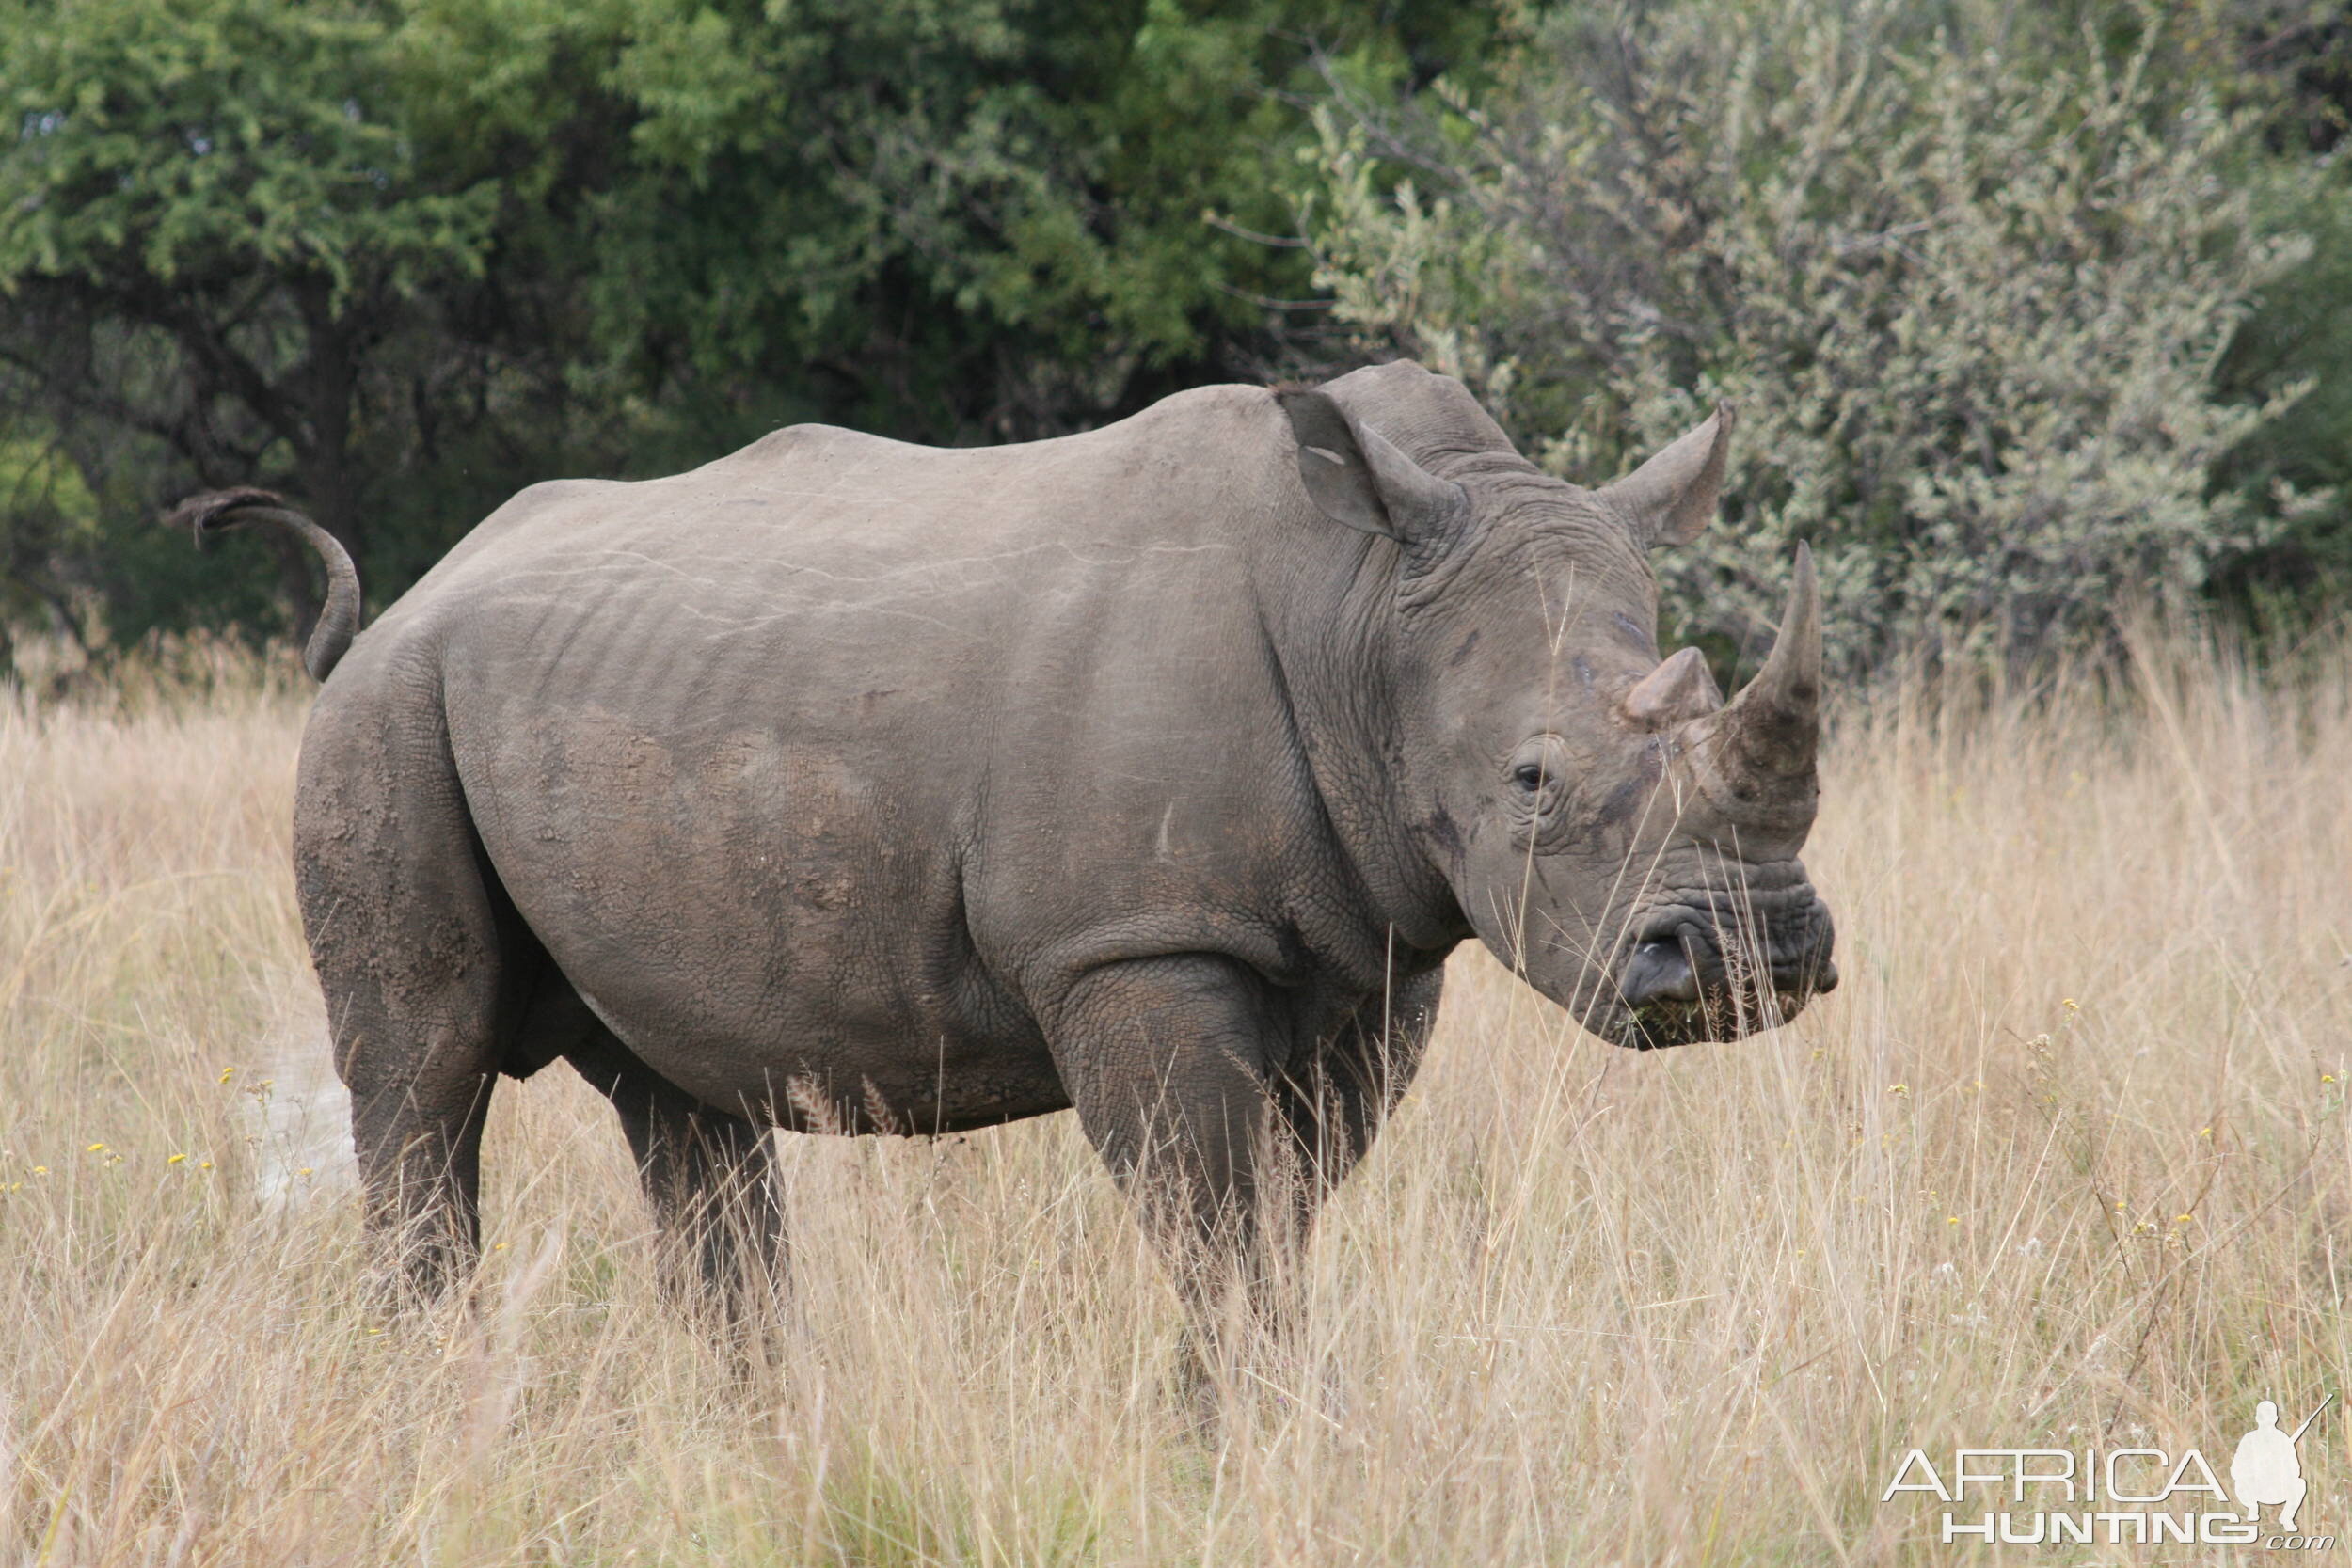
(1165, 1061)
(1335, 1103)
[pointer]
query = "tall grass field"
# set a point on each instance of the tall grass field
(2065, 1164)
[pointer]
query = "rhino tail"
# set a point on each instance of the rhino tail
(218, 510)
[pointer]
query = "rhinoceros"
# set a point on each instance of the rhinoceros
(843, 784)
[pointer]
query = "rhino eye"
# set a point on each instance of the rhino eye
(1538, 775)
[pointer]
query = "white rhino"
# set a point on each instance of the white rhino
(844, 784)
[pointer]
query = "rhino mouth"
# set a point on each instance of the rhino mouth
(1723, 1017)
(1684, 982)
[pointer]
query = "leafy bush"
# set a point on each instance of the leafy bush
(401, 258)
(1968, 279)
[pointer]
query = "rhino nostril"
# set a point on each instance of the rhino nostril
(1659, 971)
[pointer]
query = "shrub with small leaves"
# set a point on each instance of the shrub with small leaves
(1968, 287)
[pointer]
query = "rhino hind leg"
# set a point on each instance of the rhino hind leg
(709, 1177)
(420, 1156)
(412, 942)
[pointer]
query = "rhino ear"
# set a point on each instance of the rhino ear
(1671, 499)
(1356, 476)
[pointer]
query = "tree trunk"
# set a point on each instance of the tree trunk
(294, 567)
(327, 383)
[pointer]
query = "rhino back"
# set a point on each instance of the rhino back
(836, 756)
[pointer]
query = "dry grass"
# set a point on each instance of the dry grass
(2064, 1163)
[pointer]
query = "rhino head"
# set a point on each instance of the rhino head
(1613, 830)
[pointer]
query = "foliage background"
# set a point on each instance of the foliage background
(2030, 311)
(1974, 314)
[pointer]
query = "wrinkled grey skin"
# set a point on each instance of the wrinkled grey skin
(841, 785)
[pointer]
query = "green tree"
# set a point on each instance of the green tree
(51, 514)
(400, 257)
(947, 219)
(213, 229)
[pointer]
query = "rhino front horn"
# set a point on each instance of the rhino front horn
(1774, 727)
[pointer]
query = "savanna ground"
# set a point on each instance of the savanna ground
(2065, 1163)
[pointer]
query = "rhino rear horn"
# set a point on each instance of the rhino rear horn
(1774, 727)
(1671, 499)
(1680, 688)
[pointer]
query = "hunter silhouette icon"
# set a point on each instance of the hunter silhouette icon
(2265, 1472)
